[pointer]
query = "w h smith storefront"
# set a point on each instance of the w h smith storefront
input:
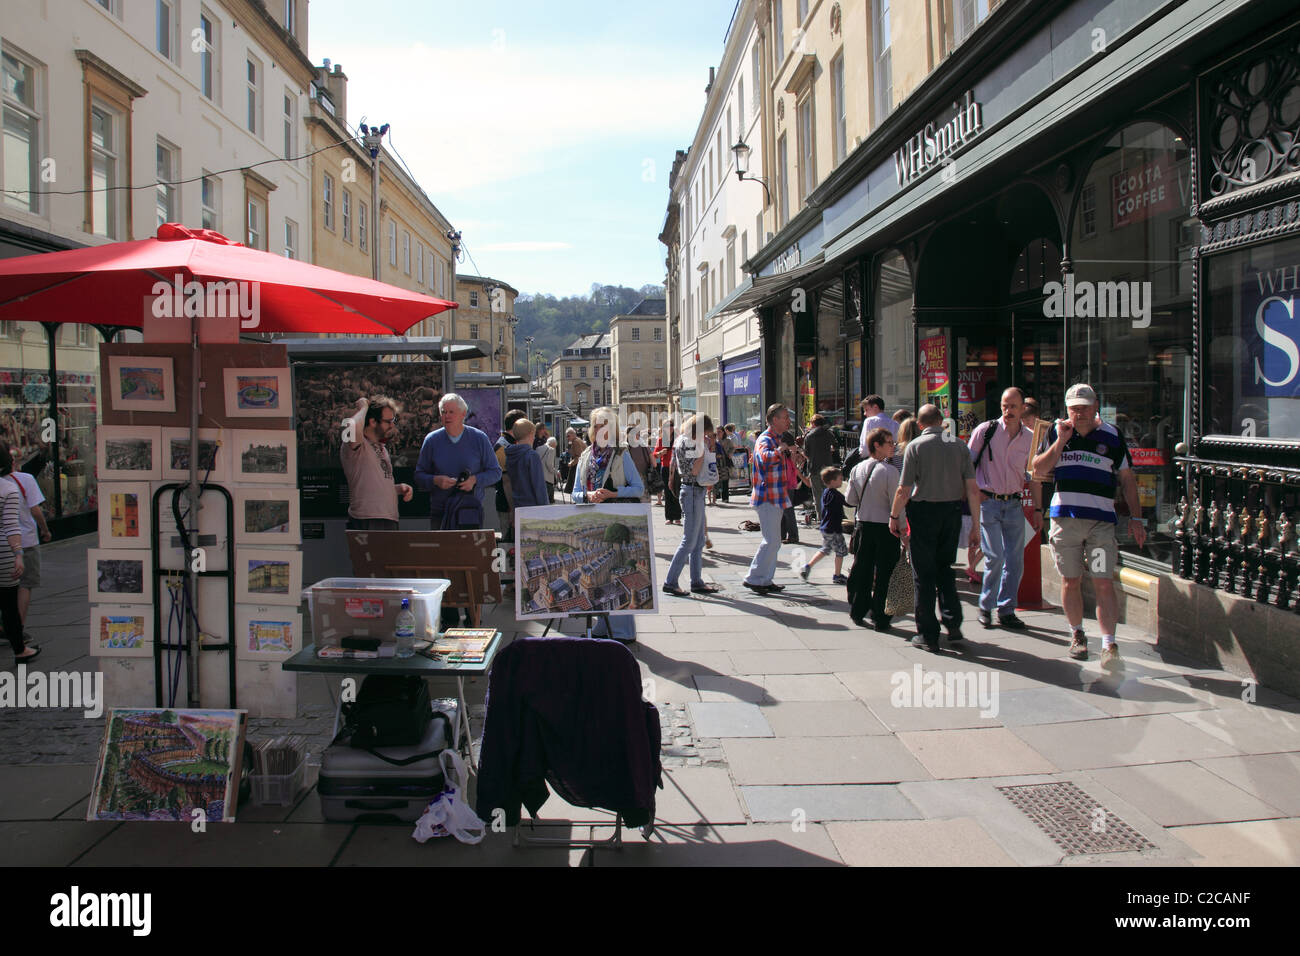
(1088, 191)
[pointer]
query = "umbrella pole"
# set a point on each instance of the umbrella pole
(191, 638)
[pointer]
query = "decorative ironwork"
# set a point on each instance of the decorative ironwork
(1252, 128)
(1257, 226)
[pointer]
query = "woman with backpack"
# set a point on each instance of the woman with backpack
(871, 491)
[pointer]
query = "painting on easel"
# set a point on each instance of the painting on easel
(575, 560)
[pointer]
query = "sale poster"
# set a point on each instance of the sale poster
(932, 370)
(807, 393)
(972, 398)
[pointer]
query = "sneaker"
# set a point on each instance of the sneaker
(986, 618)
(1011, 622)
(839, 579)
(1110, 659)
(921, 642)
(807, 570)
(1079, 646)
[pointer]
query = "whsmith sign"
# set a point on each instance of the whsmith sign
(936, 141)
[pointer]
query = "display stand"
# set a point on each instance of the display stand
(465, 558)
(588, 629)
(192, 578)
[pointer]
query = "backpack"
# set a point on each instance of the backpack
(464, 512)
(851, 460)
(988, 438)
(391, 710)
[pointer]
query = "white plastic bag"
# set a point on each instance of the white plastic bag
(447, 814)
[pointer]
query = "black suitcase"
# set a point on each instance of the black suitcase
(355, 784)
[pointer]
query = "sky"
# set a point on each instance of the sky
(544, 131)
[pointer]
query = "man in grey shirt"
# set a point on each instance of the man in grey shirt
(937, 474)
(819, 446)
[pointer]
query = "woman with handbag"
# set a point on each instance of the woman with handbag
(871, 491)
(664, 459)
(605, 471)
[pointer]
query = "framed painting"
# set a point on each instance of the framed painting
(214, 454)
(258, 393)
(125, 515)
(163, 764)
(265, 457)
(268, 576)
(115, 576)
(121, 630)
(573, 560)
(139, 383)
(266, 516)
(267, 631)
(128, 452)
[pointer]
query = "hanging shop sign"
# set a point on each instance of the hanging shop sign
(930, 146)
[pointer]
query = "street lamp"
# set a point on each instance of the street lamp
(742, 167)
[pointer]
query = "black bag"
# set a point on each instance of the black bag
(851, 460)
(464, 512)
(391, 710)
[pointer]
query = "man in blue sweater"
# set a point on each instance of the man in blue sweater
(451, 451)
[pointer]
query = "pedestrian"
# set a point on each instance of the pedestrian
(794, 489)
(605, 471)
(1090, 458)
(664, 459)
(546, 453)
(524, 468)
(937, 475)
(31, 518)
(372, 494)
(726, 448)
(11, 562)
(574, 447)
(641, 456)
(455, 458)
(907, 431)
(693, 457)
(872, 485)
(504, 507)
(772, 461)
(831, 524)
(873, 416)
(902, 415)
(819, 446)
(1000, 449)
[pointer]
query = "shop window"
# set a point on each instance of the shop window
(1130, 319)
(894, 374)
(1038, 263)
(1252, 322)
(830, 397)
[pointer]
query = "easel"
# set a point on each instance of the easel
(463, 557)
(588, 631)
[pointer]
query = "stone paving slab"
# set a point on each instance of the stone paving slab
(713, 687)
(820, 804)
(43, 792)
(238, 844)
(1134, 698)
(984, 752)
(1044, 705)
(815, 718)
(820, 760)
(1274, 778)
(785, 687)
(777, 662)
(1262, 843)
(899, 719)
(958, 842)
(721, 719)
(750, 845)
(690, 796)
(381, 845)
(1249, 728)
(48, 842)
(868, 658)
(1180, 794)
(1123, 741)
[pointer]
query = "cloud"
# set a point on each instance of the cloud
(464, 118)
(525, 246)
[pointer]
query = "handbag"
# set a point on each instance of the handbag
(391, 710)
(900, 597)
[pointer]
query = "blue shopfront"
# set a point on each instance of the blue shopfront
(742, 381)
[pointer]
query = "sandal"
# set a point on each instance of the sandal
(704, 589)
(22, 658)
(674, 591)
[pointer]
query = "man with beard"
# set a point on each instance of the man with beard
(369, 471)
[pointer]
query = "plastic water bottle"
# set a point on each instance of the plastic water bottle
(405, 632)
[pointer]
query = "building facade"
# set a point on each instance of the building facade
(580, 378)
(486, 315)
(1055, 192)
(119, 116)
(639, 356)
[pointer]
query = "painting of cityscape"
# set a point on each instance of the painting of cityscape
(159, 764)
(572, 560)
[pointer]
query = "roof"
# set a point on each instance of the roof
(635, 582)
(462, 277)
(597, 340)
(650, 305)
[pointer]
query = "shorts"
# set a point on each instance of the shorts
(1082, 543)
(31, 569)
(833, 543)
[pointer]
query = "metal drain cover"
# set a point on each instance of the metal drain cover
(1074, 820)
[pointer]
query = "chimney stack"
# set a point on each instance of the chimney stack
(712, 73)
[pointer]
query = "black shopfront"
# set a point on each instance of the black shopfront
(1144, 239)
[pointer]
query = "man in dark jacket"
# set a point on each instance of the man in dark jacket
(524, 468)
(819, 446)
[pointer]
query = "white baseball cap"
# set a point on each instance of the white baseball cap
(1080, 395)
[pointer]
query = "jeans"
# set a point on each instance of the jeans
(692, 544)
(934, 527)
(873, 565)
(1002, 538)
(789, 526)
(763, 567)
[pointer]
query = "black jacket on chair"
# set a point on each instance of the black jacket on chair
(568, 710)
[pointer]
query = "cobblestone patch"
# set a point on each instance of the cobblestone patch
(680, 747)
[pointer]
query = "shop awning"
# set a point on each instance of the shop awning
(766, 288)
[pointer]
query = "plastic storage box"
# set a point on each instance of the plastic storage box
(368, 607)
(277, 789)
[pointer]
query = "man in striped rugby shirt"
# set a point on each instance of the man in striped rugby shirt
(1090, 456)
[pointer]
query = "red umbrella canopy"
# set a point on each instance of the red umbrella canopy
(185, 272)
